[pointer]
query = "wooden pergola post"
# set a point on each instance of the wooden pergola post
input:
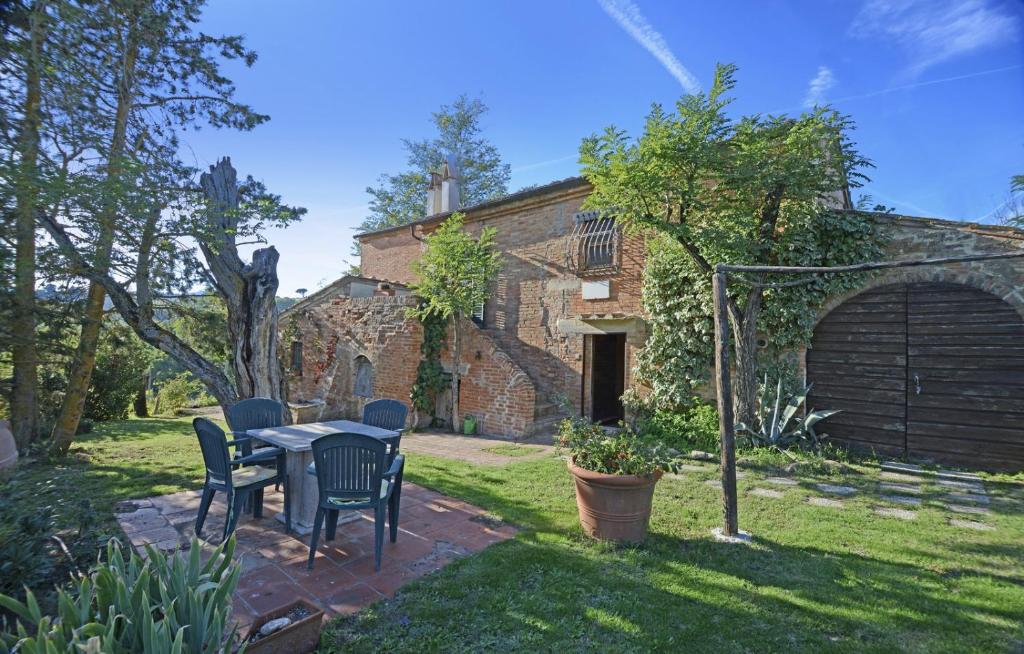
(723, 385)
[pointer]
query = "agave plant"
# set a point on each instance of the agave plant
(780, 427)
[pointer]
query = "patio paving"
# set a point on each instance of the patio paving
(434, 530)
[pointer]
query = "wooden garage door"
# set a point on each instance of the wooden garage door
(933, 371)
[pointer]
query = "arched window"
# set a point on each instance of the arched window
(364, 377)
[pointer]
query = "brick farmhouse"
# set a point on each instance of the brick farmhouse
(564, 323)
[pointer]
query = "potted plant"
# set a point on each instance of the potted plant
(615, 472)
(291, 629)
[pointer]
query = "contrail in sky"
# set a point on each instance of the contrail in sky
(629, 18)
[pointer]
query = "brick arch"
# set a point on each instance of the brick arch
(976, 278)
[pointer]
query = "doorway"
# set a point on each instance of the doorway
(607, 377)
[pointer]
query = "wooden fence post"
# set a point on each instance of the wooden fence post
(725, 415)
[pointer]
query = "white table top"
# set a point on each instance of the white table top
(297, 438)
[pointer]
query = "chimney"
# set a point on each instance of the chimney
(443, 191)
(450, 183)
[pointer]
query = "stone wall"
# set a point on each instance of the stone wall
(919, 238)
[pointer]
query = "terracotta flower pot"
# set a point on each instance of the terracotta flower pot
(614, 507)
(299, 637)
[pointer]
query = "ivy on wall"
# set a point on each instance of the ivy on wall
(430, 377)
(677, 358)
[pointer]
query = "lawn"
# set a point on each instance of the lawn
(816, 579)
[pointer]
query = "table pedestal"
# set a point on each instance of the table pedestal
(305, 495)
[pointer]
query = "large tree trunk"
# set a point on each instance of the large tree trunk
(85, 357)
(249, 290)
(23, 323)
(744, 327)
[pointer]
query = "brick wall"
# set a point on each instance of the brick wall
(337, 332)
(535, 290)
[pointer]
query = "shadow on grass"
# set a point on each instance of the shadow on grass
(551, 592)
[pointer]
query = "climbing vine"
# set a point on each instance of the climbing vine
(677, 358)
(430, 378)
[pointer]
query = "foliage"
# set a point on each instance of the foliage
(1017, 183)
(613, 452)
(695, 428)
(177, 393)
(453, 277)
(708, 188)
(456, 270)
(121, 364)
(400, 199)
(430, 377)
(163, 603)
(779, 426)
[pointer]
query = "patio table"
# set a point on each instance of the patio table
(296, 440)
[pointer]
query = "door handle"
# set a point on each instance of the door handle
(917, 385)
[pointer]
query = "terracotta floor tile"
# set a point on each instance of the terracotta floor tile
(325, 579)
(387, 582)
(352, 599)
(274, 596)
(408, 547)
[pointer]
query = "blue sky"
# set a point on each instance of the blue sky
(936, 88)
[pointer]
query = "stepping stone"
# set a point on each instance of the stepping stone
(971, 524)
(969, 498)
(902, 514)
(825, 501)
(780, 481)
(974, 487)
(901, 499)
(713, 482)
(836, 490)
(900, 488)
(767, 492)
(897, 466)
(740, 474)
(899, 476)
(689, 467)
(961, 508)
(957, 475)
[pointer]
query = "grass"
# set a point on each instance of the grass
(512, 449)
(816, 579)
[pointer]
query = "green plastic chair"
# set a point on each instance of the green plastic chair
(389, 414)
(240, 485)
(351, 476)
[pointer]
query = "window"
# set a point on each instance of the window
(478, 314)
(364, 377)
(594, 244)
(296, 359)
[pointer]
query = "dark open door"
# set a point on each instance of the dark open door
(608, 377)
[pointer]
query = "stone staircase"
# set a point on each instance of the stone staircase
(547, 411)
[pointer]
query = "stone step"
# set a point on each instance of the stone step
(545, 409)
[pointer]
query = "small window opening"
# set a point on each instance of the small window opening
(364, 377)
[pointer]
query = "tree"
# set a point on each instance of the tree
(454, 276)
(147, 74)
(751, 190)
(30, 22)
(222, 212)
(400, 199)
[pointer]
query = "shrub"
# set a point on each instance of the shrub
(177, 393)
(165, 603)
(622, 452)
(693, 429)
(121, 364)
